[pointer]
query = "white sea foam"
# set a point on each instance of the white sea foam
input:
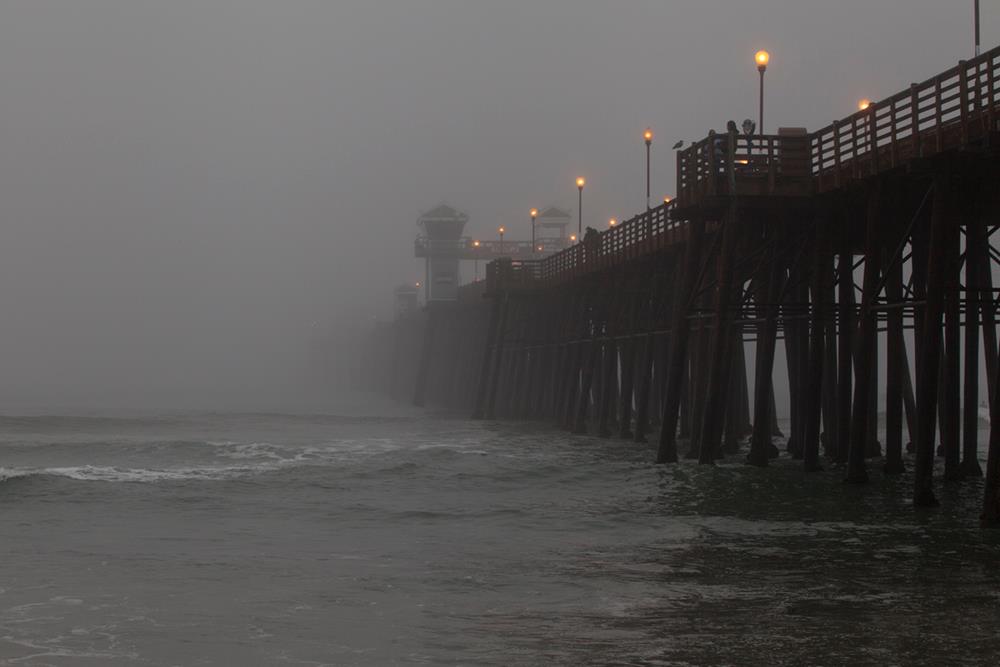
(91, 473)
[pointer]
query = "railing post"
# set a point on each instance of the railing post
(979, 96)
(938, 122)
(915, 120)
(836, 153)
(963, 99)
(681, 176)
(856, 162)
(892, 133)
(771, 165)
(991, 98)
(872, 135)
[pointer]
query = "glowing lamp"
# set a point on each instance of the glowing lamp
(762, 58)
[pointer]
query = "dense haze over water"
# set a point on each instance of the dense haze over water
(203, 203)
(192, 192)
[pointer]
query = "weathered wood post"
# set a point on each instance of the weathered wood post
(721, 347)
(865, 348)
(814, 373)
(930, 345)
(976, 250)
(845, 353)
(589, 358)
(494, 374)
(797, 355)
(951, 417)
(489, 351)
(646, 354)
(680, 330)
(644, 387)
(628, 354)
(609, 369)
(830, 369)
(895, 346)
(970, 393)
(768, 290)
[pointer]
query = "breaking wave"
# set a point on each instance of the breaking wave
(93, 473)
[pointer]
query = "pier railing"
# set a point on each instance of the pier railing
(956, 108)
(648, 232)
(467, 248)
(950, 110)
(512, 274)
(761, 165)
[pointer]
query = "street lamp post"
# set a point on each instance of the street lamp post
(501, 230)
(475, 260)
(579, 209)
(976, 9)
(648, 136)
(762, 58)
(534, 214)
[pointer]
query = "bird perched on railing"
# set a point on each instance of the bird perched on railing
(678, 145)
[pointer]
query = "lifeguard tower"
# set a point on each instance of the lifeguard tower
(443, 245)
(550, 229)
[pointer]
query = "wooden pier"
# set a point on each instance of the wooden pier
(864, 246)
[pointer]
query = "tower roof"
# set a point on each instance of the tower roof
(443, 212)
(554, 212)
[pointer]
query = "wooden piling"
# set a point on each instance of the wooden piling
(813, 395)
(895, 359)
(930, 345)
(690, 264)
(768, 290)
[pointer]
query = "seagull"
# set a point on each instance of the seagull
(678, 144)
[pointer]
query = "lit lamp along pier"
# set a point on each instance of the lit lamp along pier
(864, 246)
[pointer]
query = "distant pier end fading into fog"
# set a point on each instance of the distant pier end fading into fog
(641, 331)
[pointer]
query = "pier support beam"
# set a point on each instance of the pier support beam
(720, 350)
(976, 255)
(817, 352)
(768, 290)
(951, 419)
(930, 344)
(482, 393)
(895, 359)
(845, 353)
(865, 349)
(608, 371)
(690, 263)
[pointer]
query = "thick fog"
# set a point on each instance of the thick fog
(200, 199)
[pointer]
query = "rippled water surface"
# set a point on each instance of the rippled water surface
(400, 538)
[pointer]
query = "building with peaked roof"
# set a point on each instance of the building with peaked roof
(551, 224)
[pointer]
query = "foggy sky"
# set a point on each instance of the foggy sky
(193, 192)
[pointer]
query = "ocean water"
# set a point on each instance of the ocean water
(388, 536)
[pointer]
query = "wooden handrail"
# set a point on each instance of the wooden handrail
(962, 99)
